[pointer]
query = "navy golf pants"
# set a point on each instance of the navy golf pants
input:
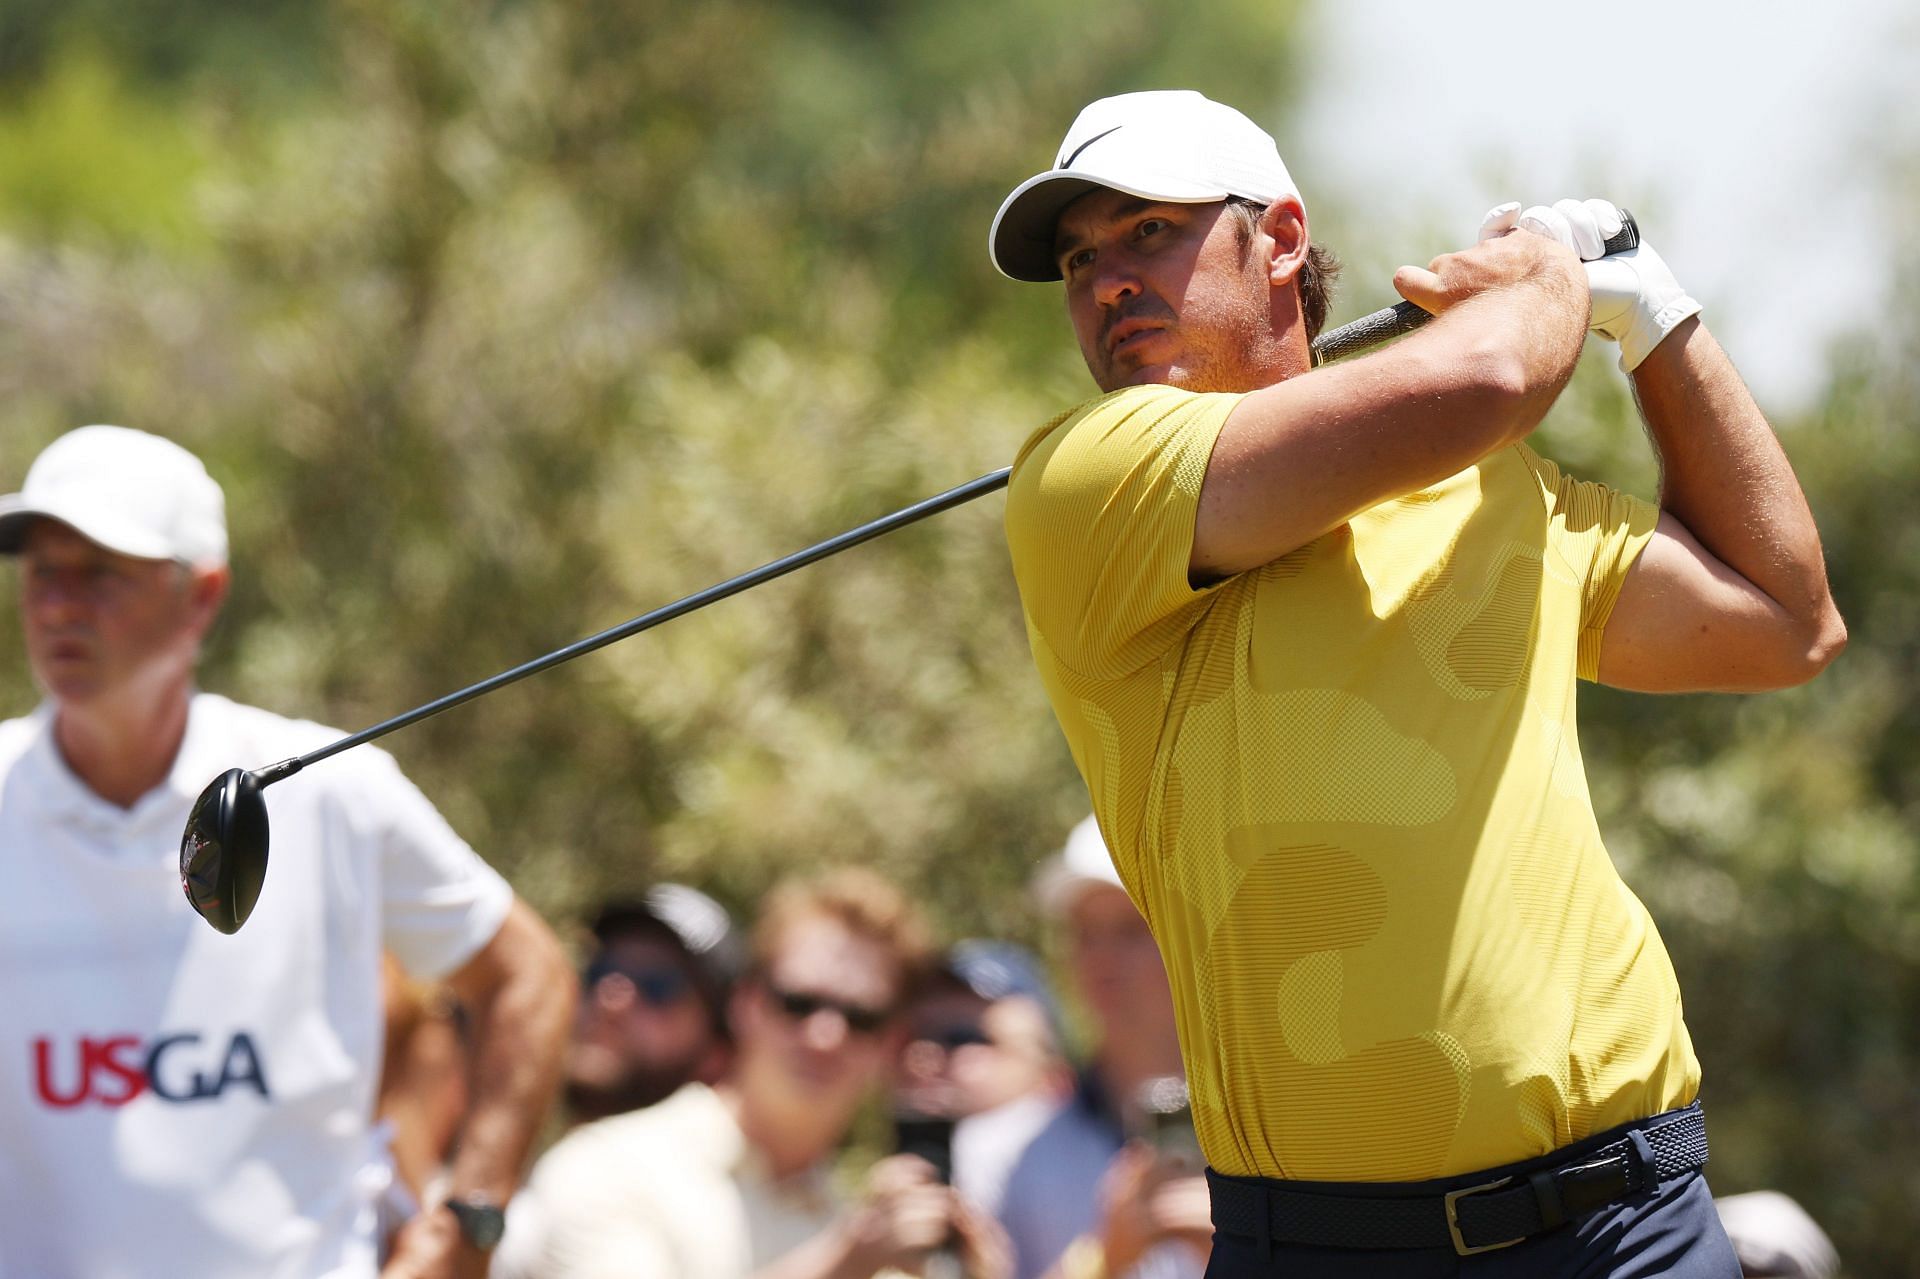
(1672, 1231)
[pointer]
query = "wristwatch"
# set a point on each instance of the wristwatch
(482, 1221)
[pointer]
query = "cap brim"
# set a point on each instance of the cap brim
(1021, 240)
(17, 516)
(1057, 886)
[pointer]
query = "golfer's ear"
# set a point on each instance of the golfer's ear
(1285, 226)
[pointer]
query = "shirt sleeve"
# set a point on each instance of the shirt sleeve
(1599, 533)
(1100, 519)
(439, 902)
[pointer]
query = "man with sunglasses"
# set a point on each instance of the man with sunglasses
(731, 1180)
(984, 1067)
(652, 1013)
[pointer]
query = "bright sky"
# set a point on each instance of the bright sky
(1743, 135)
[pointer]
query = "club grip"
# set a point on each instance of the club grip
(1627, 237)
(1368, 330)
(1405, 317)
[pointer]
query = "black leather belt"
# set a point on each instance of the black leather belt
(1476, 1217)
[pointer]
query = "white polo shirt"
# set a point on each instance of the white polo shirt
(178, 1102)
(674, 1191)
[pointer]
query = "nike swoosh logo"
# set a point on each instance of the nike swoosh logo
(1068, 162)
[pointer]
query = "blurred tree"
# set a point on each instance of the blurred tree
(544, 314)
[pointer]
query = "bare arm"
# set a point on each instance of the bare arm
(520, 990)
(1301, 457)
(1731, 594)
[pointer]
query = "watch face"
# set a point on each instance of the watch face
(481, 1223)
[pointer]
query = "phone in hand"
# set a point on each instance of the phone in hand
(929, 1136)
(1163, 1118)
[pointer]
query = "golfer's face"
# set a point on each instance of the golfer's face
(1164, 293)
(96, 621)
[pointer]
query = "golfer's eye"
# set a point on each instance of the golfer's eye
(1074, 261)
(1150, 227)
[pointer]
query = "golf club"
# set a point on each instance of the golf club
(223, 851)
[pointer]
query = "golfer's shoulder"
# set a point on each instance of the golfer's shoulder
(1112, 435)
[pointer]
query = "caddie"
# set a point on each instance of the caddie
(174, 1101)
(1312, 636)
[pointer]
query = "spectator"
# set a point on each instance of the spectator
(652, 1018)
(173, 1100)
(653, 1008)
(1775, 1238)
(1079, 1199)
(983, 1069)
(731, 1180)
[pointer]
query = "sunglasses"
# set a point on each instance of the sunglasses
(959, 1035)
(800, 1005)
(658, 987)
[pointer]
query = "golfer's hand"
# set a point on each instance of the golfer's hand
(1497, 263)
(1636, 300)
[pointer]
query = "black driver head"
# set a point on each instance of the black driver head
(223, 852)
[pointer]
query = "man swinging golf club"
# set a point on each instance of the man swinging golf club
(1313, 636)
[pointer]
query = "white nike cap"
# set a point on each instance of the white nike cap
(125, 490)
(1166, 144)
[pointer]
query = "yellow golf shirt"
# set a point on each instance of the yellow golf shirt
(1346, 792)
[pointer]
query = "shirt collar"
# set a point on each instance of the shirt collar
(65, 796)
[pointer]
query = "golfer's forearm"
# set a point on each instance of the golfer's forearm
(1725, 477)
(1304, 456)
(521, 1009)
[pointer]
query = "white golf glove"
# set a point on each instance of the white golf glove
(1636, 300)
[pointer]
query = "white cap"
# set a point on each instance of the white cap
(1084, 863)
(126, 490)
(1167, 144)
(1773, 1235)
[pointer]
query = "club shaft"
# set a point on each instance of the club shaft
(1345, 340)
(666, 613)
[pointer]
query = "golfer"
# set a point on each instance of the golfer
(1312, 636)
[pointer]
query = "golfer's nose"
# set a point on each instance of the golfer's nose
(1115, 280)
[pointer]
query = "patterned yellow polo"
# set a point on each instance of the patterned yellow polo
(1345, 791)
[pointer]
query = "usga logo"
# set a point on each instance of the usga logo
(115, 1070)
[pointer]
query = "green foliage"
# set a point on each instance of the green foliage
(545, 314)
(513, 320)
(83, 156)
